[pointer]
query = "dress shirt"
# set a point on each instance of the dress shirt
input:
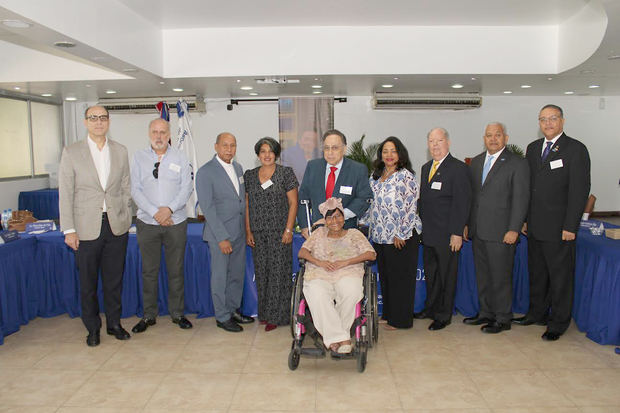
(393, 212)
(171, 189)
(495, 156)
(554, 140)
(101, 158)
(438, 165)
(230, 170)
(347, 212)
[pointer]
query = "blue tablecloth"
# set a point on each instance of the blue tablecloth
(43, 203)
(49, 285)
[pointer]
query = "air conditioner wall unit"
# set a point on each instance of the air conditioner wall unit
(454, 101)
(148, 104)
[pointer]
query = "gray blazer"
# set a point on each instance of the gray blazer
(81, 195)
(500, 205)
(224, 210)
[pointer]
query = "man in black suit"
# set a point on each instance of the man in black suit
(559, 184)
(445, 198)
(501, 184)
(334, 176)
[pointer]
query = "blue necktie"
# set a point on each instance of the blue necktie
(487, 167)
(547, 150)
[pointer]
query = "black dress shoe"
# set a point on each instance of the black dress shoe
(119, 332)
(93, 339)
(182, 322)
(495, 327)
(550, 336)
(229, 325)
(476, 321)
(143, 325)
(421, 315)
(237, 317)
(438, 325)
(523, 321)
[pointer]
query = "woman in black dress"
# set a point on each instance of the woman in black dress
(271, 208)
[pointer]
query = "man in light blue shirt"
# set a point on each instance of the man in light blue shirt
(161, 183)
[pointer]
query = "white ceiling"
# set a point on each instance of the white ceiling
(128, 35)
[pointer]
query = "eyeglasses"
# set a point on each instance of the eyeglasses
(95, 118)
(332, 148)
(551, 119)
(156, 170)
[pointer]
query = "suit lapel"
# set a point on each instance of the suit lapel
(88, 158)
(224, 176)
(556, 149)
(115, 164)
(341, 177)
(501, 161)
(442, 167)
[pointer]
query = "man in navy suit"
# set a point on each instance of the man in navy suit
(221, 195)
(501, 184)
(334, 176)
(559, 185)
(445, 198)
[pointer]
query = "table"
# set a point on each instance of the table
(49, 285)
(43, 203)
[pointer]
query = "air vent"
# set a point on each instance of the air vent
(454, 101)
(147, 105)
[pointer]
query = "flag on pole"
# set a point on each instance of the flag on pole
(185, 143)
(164, 110)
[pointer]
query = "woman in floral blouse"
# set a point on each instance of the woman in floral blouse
(395, 229)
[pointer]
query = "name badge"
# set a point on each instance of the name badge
(174, 167)
(267, 184)
(556, 164)
(241, 180)
(436, 185)
(346, 190)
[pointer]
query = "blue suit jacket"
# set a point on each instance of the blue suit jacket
(353, 175)
(223, 209)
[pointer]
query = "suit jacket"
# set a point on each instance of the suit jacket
(500, 205)
(444, 211)
(224, 210)
(81, 195)
(559, 187)
(353, 175)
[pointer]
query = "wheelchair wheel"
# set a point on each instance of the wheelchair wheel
(361, 357)
(296, 298)
(293, 357)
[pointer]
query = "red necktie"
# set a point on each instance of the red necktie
(331, 182)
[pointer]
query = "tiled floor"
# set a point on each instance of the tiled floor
(47, 367)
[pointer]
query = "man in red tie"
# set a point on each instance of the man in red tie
(334, 176)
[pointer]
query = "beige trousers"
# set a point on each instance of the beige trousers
(333, 321)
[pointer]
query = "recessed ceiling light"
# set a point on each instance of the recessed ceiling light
(46, 95)
(594, 86)
(316, 86)
(569, 92)
(549, 78)
(70, 98)
(526, 86)
(387, 86)
(316, 92)
(253, 94)
(246, 88)
(162, 83)
(87, 85)
(474, 78)
(16, 24)
(238, 80)
(177, 89)
(16, 88)
(110, 91)
(395, 78)
(316, 78)
(64, 43)
(130, 70)
(507, 92)
(457, 86)
(613, 57)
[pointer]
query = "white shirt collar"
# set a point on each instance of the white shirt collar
(554, 140)
(496, 154)
(441, 160)
(93, 145)
(224, 164)
(338, 165)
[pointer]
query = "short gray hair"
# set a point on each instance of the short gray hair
(501, 125)
(443, 130)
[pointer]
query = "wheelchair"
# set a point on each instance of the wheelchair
(365, 328)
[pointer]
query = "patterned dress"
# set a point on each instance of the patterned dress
(273, 260)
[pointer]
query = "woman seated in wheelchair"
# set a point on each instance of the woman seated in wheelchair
(333, 277)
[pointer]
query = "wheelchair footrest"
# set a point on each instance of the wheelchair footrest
(314, 352)
(342, 356)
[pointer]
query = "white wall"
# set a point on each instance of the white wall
(9, 190)
(584, 120)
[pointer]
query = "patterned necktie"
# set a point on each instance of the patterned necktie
(547, 150)
(487, 168)
(331, 182)
(433, 169)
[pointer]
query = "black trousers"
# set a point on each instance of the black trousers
(108, 254)
(494, 261)
(150, 240)
(552, 282)
(440, 267)
(397, 275)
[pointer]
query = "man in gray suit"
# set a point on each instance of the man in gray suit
(95, 215)
(499, 205)
(221, 195)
